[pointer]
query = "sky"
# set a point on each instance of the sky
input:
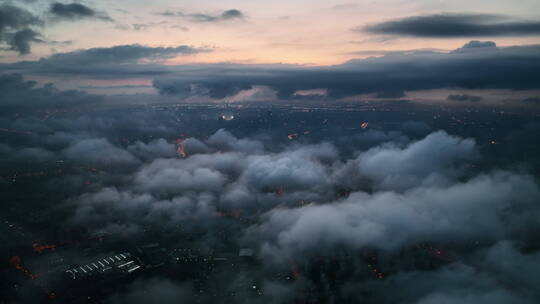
(298, 32)
(141, 47)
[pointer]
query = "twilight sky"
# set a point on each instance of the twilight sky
(150, 40)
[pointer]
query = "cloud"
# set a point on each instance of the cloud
(174, 177)
(12, 17)
(468, 297)
(394, 167)
(456, 283)
(478, 44)
(414, 196)
(391, 94)
(224, 140)
(155, 149)
(119, 54)
(376, 196)
(20, 40)
(464, 97)
(455, 25)
(500, 273)
(390, 75)
(389, 221)
(98, 151)
(226, 173)
(231, 14)
(532, 100)
(299, 169)
(194, 146)
(509, 263)
(18, 94)
(417, 192)
(383, 196)
(106, 87)
(74, 11)
(15, 29)
(26, 155)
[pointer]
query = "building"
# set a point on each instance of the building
(122, 263)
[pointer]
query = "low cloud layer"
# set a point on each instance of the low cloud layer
(417, 193)
(347, 216)
(389, 221)
(400, 196)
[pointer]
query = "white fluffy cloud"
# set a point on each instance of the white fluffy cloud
(393, 167)
(475, 209)
(99, 151)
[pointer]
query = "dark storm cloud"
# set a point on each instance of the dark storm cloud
(389, 76)
(464, 97)
(456, 25)
(478, 65)
(230, 14)
(15, 29)
(74, 11)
